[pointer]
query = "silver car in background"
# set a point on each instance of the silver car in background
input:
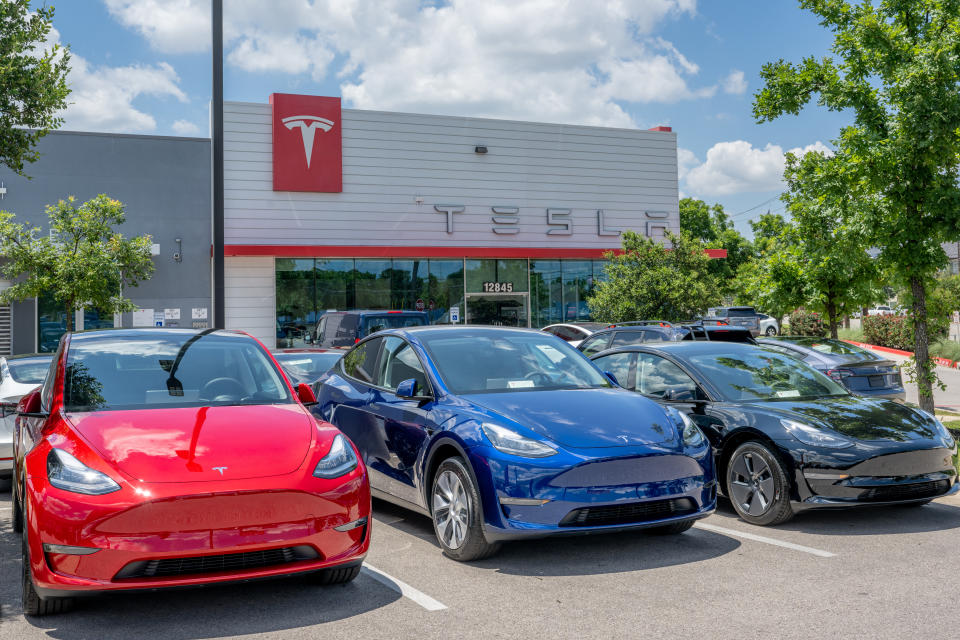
(19, 375)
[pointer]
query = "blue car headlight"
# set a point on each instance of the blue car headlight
(689, 431)
(814, 436)
(507, 441)
(339, 460)
(67, 473)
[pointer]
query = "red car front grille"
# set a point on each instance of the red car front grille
(230, 562)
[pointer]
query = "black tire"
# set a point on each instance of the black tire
(17, 511)
(671, 529)
(757, 485)
(771, 331)
(33, 604)
(336, 575)
(474, 545)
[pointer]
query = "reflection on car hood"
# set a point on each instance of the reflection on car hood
(583, 418)
(856, 417)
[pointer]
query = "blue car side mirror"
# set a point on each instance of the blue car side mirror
(612, 377)
(410, 390)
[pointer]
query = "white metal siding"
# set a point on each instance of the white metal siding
(391, 159)
(250, 297)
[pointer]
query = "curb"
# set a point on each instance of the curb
(942, 362)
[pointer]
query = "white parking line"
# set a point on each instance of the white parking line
(406, 590)
(750, 536)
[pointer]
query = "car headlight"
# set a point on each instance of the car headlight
(948, 438)
(67, 473)
(690, 432)
(508, 441)
(814, 436)
(339, 460)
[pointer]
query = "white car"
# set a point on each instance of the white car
(574, 332)
(768, 325)
(19, 375)
(881, 310)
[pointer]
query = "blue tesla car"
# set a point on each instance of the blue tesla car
(500, 434)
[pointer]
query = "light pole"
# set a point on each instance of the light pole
(219, 320)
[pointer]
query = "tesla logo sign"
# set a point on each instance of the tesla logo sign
(306, 143)
(220, 469)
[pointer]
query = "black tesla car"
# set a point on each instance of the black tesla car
(787, 437)
(859, 370)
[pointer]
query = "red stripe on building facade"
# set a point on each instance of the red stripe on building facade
(353, 251)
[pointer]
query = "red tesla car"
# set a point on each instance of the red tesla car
(169, 457)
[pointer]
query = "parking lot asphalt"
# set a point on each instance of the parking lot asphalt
(869, 573)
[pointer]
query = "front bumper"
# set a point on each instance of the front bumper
(602, 493)
(193, 539)
(849, 478)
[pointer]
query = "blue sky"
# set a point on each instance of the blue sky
(143, 66)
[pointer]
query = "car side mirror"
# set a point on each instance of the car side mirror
(306, 395)
(410, 390)
(29, 406)
(611, 377)
(680, 395)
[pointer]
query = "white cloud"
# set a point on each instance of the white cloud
(738, 167)
(185, 128)
(735, 83)
(541, 60)
(686, 160)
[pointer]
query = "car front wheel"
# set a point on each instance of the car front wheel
(771, 331)
(757, 485)
(458, 513)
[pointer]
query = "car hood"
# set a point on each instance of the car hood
(857, 417)
(191, 444)
(583, 418)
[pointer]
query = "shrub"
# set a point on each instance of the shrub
(945, 348)
(895, 332)
(807, 323)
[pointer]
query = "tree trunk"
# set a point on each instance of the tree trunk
(922, 344)
(832, 318)
(69, 318)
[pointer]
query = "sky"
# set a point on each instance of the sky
(143, 66)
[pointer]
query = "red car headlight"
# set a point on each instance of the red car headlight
(339, 461)
(67, 473)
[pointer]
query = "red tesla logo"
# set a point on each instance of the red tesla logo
(306, 143)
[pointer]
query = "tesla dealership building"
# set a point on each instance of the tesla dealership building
(471, 220)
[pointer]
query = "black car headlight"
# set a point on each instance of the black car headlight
(942, 431)
(67, 473)
(815, 437)
(689, 431)
(339, 461)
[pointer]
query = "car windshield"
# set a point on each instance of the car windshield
(491, 361)
(28, 371)
(311, 364)
(763, 375)
(372, 324)
(125, 371)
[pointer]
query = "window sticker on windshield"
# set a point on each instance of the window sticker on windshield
(520, 384)
(822, 348)
(793, 393)
(303, 361)
(554, 355)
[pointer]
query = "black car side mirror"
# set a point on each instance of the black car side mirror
(680, 395)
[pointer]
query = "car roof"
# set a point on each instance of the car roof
(468, 329)
(305, 350)
(359, 312)
(149, 332)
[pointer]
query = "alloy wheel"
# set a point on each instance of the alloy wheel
(752, 485)
(450, 509)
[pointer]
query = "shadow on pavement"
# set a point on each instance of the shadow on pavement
(209, 612)
(864, 521)
(571, 555)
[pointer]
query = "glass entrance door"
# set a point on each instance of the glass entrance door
(502, 310)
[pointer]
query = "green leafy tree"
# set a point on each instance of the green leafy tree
(649, 281)
(33, 82)
(709, 224)
(81, 262)
(839, 276)
(773, 281)
(896, 71)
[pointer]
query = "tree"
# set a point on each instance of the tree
(81, 262)
(839, 276)
(896, 71)
(772, 281)
(713, 227)
(649, 281)
(33, 82)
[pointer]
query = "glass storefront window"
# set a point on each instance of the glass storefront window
(443, 289)
(577, 285)
(545, 292)
(296, 300)
(51, 324)
(373, 281)
(512, 272)
(334, 285)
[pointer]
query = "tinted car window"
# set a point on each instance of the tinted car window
(619, 364)
(485, 362)
(741, 313)
(372, 324)
(655, 375)
(360, 362)
(399, 362)
(566, 333)
(169, 370)
(627, 338)
(763, 375)
(595, 344)
(28, 371)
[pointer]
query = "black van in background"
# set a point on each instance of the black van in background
(346, 328)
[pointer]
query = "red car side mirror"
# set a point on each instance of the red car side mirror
(29, 405)
(306, 395)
